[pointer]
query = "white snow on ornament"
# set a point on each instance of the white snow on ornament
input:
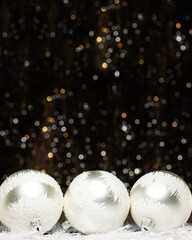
(116, 187)
(20, 215)
(30, 201)
(96, 201)
(163, 198)
(21, 177)
(174, 184)
(153, 210)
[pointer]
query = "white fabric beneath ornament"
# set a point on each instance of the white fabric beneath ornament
(125, 233)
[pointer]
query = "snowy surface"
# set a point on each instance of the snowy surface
(126, 233)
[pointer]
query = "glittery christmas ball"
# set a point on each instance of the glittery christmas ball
(160, 201)
(30, 200)
(96, 202)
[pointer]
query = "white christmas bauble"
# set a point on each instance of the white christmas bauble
(30, 200)
(160, 201)
(96, 202)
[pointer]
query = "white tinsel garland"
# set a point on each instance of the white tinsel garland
(125, 233)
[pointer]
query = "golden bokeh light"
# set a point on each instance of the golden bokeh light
(44, 129)
(105, 30)
(104, 65)
(99, 39)
(65, 135)
(26, 136)
(149, 98)
(103, 9)
(116, 1)
(50, 119)
(73, 17)
(50, 155)
(62, 91)
(81, 47)
(174, 124)
(123, 115)
(30, 107)
(120, 45)
(178, 25)
(49, 98)
(141, 61)
(47, 54)
(155, 99)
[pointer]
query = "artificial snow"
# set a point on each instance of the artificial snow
(126, 233)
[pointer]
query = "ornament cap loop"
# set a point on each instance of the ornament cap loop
(36, 225)
(66, 225)
(147, 225)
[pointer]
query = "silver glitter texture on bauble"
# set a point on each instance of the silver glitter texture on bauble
(30, 200)
(96, 202)
(160, 201)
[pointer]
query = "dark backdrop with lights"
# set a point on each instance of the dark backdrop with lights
(96, 85)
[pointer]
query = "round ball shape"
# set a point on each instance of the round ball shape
(30, 200)
(160, 201)
(96, 202)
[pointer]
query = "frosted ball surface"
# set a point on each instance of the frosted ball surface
(96, 202)
(161, 199)
(30, 200)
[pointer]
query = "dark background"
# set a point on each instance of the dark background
(96, 85)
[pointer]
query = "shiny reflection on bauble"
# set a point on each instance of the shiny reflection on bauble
(30, 200)
(160, 201)
(96, 202)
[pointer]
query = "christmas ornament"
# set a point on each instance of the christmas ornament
(30, 200)
(96, 202)
(160, 201)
